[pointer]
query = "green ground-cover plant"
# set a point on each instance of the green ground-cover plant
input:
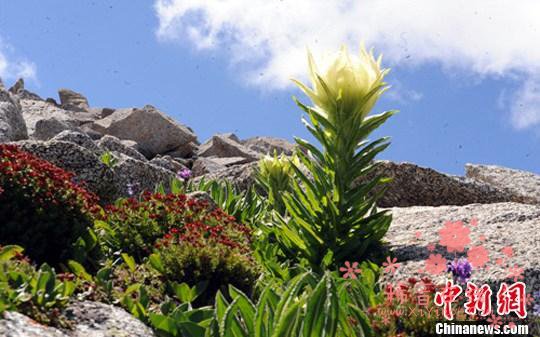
(38, 293)
(248, 207)
(41, 208)
(331, 213)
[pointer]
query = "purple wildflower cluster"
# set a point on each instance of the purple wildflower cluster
(461, 270)
(184, 174)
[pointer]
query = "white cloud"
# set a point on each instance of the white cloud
(268, 39)
(399, 93)
(525, 108)
(13, 67)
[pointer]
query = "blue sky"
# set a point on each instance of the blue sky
(466, 89)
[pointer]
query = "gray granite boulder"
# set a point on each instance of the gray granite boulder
(85, 164)
(18, 90)
(204, 165)
(127, 147)
(12, 125)
(184, 151)
(109, 183)
(47, 128)
(523, 186)
(93, 319)
(142, 176)
(79, 138)
(101, 112)
(35, 111)
(155, 132)
(229, 161)
(72, 101)
(267, 145)
(87, 128)
(222, 146)
(14, 324)
(231, 136)
(168, 163)
(241, 176)
(509, 233)
(90, 319)
(413, 185)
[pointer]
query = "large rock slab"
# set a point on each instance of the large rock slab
(93, 319)
(14, 324)
(523, 186)
(85, 164)
(141, 176)
(203, 165)
(184, 151)
(509, 233)
(12, 125)
(413, 185)
(224, 146)
(79, 138)
(229, 161)
(38, 110)
(269, 145)
(241, 177)
(168, 163)
(109, 183)
(155, 132)
(89, 319)
(46, 129)
(127, 147)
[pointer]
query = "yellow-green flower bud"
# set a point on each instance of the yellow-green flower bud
(344, 83)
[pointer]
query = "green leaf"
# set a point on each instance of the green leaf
(322, 311)
(79, 270)
(191, 329)
(155, 262)
(182, 292)
(163, 323)
(130, 262)
(10, 251)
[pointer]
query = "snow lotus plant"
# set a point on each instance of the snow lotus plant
(331, 213)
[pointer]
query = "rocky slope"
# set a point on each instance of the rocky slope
(500, 207)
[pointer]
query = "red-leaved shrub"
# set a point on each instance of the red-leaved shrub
(133, 225)
(219, 254)
(41, 208)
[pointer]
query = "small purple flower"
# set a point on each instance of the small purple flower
(184, 174)
(461, 270)
(130, 191)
